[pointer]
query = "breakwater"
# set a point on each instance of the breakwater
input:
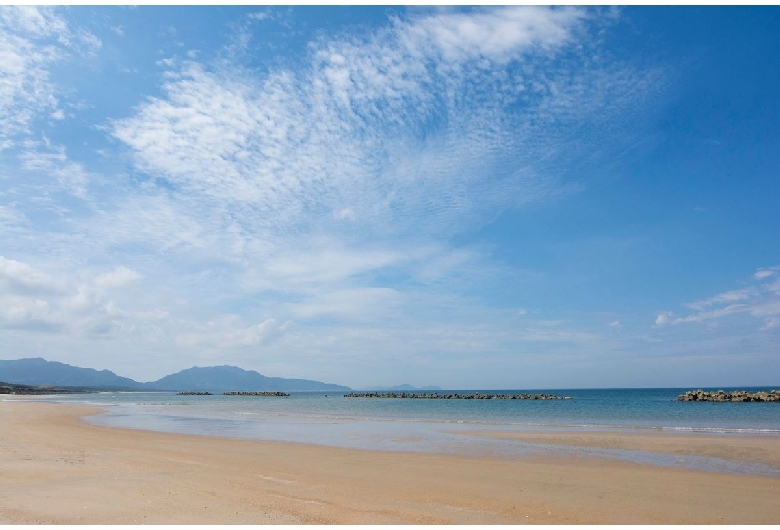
(267, 394)
(733, 396)
(192, 393)
(436, 395)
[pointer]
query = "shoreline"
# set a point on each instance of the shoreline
(754, 448)
(56, 467)
(746, 452)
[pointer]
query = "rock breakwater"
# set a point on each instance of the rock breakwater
(436, 395)
(192, 393)
(735, 395)
(267, 394)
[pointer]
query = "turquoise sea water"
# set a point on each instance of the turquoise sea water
(446, 426)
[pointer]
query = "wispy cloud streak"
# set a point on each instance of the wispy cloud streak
(32, 41)
(389, 127)
(761, 301)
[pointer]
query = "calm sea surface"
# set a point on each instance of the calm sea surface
(444, 426)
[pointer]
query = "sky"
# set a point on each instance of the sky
(506, 197)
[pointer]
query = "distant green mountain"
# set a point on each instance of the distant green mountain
(37, 372)
(26, 390)
(224, 378)
(40, 372)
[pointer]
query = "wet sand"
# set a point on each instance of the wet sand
(56, 468)
(746, 449)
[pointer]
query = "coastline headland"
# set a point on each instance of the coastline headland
(436, 395)
(733, 396)
(28, 390)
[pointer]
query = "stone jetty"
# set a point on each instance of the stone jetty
(267, 394)
(436, 395)
(735, 395)
(192, 393)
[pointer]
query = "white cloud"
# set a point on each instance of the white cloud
(356, 303)
(35, 300)
(327, 264)
(227, 332)
(730, 296)
(119, 277)
(19, 278)
(345, 213)
(49, 162)
(155, 222)
(32, 40)
(28, 313)
(762, 274)
(25, 88)
(498, 34)
(761, 301)
(772, 287)
(384, 127)
(36, 22)
(703, 316)
(663, 318)
(11, 219)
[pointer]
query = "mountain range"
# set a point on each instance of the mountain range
(221, 378)
(38, 372)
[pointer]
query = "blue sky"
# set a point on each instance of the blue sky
(509, 197)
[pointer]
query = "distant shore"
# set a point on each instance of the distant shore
(56, 468)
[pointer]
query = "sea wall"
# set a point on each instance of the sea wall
(436, 395)
(736, 395)
(269, 394)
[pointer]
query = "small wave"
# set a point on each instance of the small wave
(526, 425)
(725, 430)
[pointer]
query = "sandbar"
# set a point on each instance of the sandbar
(55, 468)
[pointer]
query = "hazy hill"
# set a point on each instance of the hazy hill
(222, 378)
(40, 372)
(404, 387)
(37, 371)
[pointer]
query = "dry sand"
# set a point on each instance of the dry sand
(56, 468)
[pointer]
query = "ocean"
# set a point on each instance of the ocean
(446, 426)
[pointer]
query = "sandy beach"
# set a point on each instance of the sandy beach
(56, 468)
